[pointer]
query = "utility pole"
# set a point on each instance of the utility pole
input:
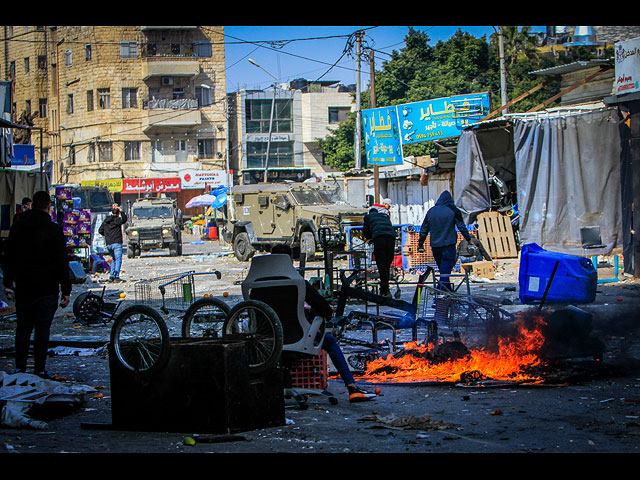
(503, 69)
(372, 95)
(358, 134)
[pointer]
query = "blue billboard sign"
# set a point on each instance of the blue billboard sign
(381, 136)
(390, 128)
(23, 155)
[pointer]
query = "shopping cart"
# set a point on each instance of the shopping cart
(170, 292)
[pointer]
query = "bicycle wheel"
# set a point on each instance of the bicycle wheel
(257, 324)
(87, 308)
(140, 340)
(205, 318)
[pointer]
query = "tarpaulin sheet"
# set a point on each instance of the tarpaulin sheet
(14, 186)
(568, 176)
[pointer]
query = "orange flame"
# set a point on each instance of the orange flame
(515, 354)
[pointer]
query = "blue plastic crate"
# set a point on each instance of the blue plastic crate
(575, 280)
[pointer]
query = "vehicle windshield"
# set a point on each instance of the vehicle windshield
(308, 196)
(331, 195)
(153, 212)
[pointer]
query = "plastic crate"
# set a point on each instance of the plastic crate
(310, 372)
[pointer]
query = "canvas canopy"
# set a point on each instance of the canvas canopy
(566, 165)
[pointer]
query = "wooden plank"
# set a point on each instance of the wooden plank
(496, 234)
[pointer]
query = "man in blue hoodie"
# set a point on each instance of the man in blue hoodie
(440, 222)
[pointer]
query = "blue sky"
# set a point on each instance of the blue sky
(305, 52)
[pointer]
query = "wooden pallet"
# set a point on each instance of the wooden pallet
(496, 234)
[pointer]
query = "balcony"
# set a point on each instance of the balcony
(170, 67)
(168, 113)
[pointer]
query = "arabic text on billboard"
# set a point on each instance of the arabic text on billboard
(388, 129)
(627, 66)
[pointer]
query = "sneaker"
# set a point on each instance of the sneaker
(358, 395)
(111, 279)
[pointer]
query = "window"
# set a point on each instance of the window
(132, 150)
(88, 54)
(104, 98)
(27, 67)
(338, 114)
(68, 60)
(178, 93)
(205, 148)
(91, 153)
(42, 62)
(89, 100)
(70, 103)
(105, 151)
(280, 154)
(129, 98)
(259, 113)
(42, 107)
(128, 49)
(202, 49)
(203, 94)
(27, 106)
(72, 155)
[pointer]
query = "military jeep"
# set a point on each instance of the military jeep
(154, 223)
(297, 214)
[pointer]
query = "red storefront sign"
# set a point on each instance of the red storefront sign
(150, 185)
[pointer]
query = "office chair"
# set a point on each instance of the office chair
(273, 279)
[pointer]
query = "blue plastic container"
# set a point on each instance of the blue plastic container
(575, 280)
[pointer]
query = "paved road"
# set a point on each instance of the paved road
(596, 410)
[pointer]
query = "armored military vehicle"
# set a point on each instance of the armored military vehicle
(298, 214)
(154, 223)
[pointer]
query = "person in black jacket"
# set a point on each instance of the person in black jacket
(440, 223)
(111, 230)
(36, 266)
(377, 227)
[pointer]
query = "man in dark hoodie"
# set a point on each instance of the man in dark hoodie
(440, 222)
(378, 228)
(111, 230)
(36, 265)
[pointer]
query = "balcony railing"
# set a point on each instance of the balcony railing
(168, 103)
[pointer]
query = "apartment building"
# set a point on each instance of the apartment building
(138, 108)
(303, 112)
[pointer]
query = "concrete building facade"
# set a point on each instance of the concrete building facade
(121, 103)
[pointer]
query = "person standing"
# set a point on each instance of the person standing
(377, 227)
(440, 222)
(36, 266)
(111, 230)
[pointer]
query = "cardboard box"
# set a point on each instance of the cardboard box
(482, 269)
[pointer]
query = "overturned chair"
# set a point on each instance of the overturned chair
(273, 280)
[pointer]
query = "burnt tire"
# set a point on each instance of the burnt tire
(242, 247)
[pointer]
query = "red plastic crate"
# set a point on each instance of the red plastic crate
(310, 372)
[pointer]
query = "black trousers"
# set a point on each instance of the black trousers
(383, 250)
(34, 315)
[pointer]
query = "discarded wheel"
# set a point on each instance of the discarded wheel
(87, 307)
(257, 324)
(205, 318)
(140, 340)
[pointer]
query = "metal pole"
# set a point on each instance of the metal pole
(358, 160)
(503, 69)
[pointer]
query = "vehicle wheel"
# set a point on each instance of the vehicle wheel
(257, 324)
(205, 318)
(242, 247)
(87, 307)
(131, 251)
(308, 245)
(140, 340)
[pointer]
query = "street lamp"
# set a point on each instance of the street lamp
(273, 100)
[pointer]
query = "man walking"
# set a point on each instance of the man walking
(441, 221)
(377, 227)
(36, 265)
(111, 230)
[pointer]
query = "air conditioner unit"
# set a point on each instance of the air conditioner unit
(166, 81)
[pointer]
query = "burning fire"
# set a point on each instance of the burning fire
(515, 356)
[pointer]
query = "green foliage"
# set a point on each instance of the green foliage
(462, 64)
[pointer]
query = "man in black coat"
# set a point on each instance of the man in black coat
(36, 266)
(379, 229)
(111, 230)
(440, 222)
